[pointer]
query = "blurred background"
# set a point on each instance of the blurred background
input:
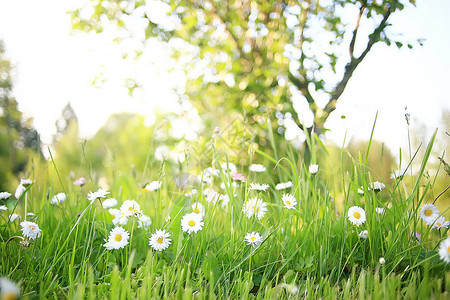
(118, 86)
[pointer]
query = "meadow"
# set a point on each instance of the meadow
(273, 227)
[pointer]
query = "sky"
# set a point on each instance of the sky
(54, 66)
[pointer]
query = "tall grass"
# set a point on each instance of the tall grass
(310, 252)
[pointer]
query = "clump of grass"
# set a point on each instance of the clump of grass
(309, 250)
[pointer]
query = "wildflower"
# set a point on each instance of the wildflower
(80, 181)
(30, 230)
(228, 167)
(440, 223)
(258, 187)
(118, 238)
(364, 234)
(284, 185)
(398, 174)
(253, 239)
(191, 222)
(58, 198)
(198, 208)
(13, 217)
(153, 186)
(417, 236)
(212, 196)
(225, 199)
(289, 201)
(257, 168)
(429, 213)
(255, 207)
(207, 175)
(239, 177)
(380, 210)
(119, 217)
(313, 169)
(356, 215)
(3, 207)
(4, 195)
(160, 240)
(31, 216)
(191, 193)
(144, 221)
(22, 187)
(8, 289)
(376, 186)
(382, 260)
(360, 191)
(130, 207)
(109, 203)
(233, 185)
(100, 193)
(444, 250)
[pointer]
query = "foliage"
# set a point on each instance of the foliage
(264, 58)
(19, 141)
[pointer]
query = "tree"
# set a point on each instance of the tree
(18, 139)
(263, 57)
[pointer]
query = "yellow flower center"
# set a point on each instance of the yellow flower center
(256, 209)
(144, 190)
(130, 208)
(160, 240)
(118, 237)
(196, 210)
(31, 227)
(428, 212)
(9, 296)
(113, 217)
(357, 215)
(448, 249)
(191, 223)
(253, 238)
(439, 224)
(288, 202)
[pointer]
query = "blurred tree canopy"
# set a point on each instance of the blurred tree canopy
(19, 141)
(289, 59)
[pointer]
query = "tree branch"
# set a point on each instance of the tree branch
(355, 32)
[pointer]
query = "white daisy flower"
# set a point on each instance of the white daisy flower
(191, 223)
(364, 234)
(360, 191)
(8, 289)
(356, 215)
(313, 169)
(119, 217)
(198, 208)
(429, 213)
(230, 168)
(3, 207)
(258, 187)
(144, 221)
(397, 174)
(376, 186)
(13, 217)
(30, 230)
(109, 203)
(284, 185)
(207, 175)
(191, 193)
(380, 210)
(153, 186)
(4, 195)
(212, 196)
(253, 239)
(382, 261)
(233, 185)
(160, 240)
(118, 238)
(31, 216)
(19, 191)
(130, 207)
(225, 200)
(100, 193)
(58, 198)
(289, 201)
(255, 207)
(26, 182)
(444, 250)
(440, 223)
(257, 168)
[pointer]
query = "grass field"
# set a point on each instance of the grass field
(244, 240)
